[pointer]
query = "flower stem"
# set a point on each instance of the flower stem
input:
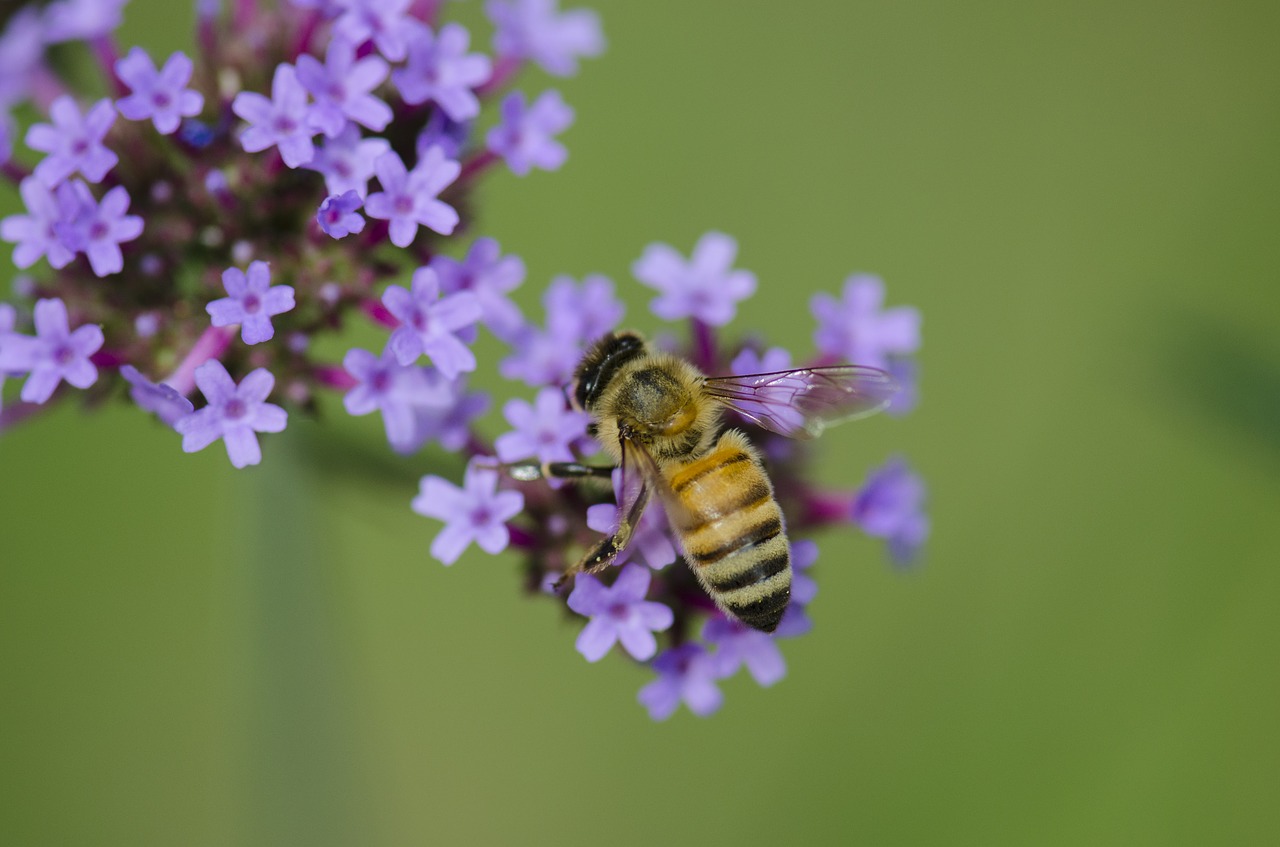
(704, 346)
(211, 344)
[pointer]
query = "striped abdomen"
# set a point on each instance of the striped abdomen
(731, 530)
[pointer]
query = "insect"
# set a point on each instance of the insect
(658, 417)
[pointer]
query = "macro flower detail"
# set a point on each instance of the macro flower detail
(162, 96)
(545, 429)
(704, 288)
(441, 71)
(234, 413)
(97, 228)
(686, 673)
(738, 645)
(618, 613)
(577, 314)
(342, 88)
(890, 505)
(477, 512)
(81, 20)
(39, 232)
(398, 391)
(490, 276)
(526, 136)
(338, 217)
(251, 301)
(384, 22)
(429, 323)
(73, 141)
(537, 30)
(857, 329)
(282, 121)
(160, 399)
(408, 198)
(346, 160)
(54, 354)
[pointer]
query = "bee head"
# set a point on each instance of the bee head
(600, 364)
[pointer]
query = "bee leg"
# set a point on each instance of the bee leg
(532, 469)
(601, 555)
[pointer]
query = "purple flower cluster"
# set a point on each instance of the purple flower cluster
(189, 254)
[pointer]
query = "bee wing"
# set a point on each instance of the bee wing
(802, 403)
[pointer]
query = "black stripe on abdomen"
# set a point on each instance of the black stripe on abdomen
(758, 572)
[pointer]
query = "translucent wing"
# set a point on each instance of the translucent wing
(802, 403)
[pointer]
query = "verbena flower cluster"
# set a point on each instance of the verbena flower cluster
(194, 225)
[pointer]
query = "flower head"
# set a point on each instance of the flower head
(477, 512)
(161, 95)
(251, 301)
(398, 391)
(545, 429)
(703, 288)
(55, 353)
(74, 141)
(384, 22)
(408, 198)
(75, 20)
(346, 160)
(858, 330)
(283, 121)
(685, 673)
(618, 612)
(97, 228)
(440, 70)
(526, 136)
(342, 88)
(338, 215)
(40, 232)
(537, 30)
(233, 413)
(429, 323)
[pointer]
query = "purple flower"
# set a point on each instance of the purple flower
(489, 276)
(704, 288)
(408, 198)
(97, 228)
(21, 55)
(890, 505)
(234, 413)
(525, 137)
(618, 613)
(429, 323)
(38, 233)
(162, 95)
(81, 20)
(450, 426)
(341, 88)
(586, 311)
(685, 673)
(73, 141)
(443, 132)
(160, 399)
(347, 160)
(576, 316)
(8, 319)
(53, 354)
(283, 121)
(652, 539)
(738, 645)
(476, 512)
(396, 390)
(774, 359)
(546, 429)
(385, 22)
(338, 216)
(441, 70)
(536, 30)
(251, 302)
(856, 329)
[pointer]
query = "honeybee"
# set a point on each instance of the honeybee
(658, 417)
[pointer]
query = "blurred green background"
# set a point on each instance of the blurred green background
(1082, 198)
